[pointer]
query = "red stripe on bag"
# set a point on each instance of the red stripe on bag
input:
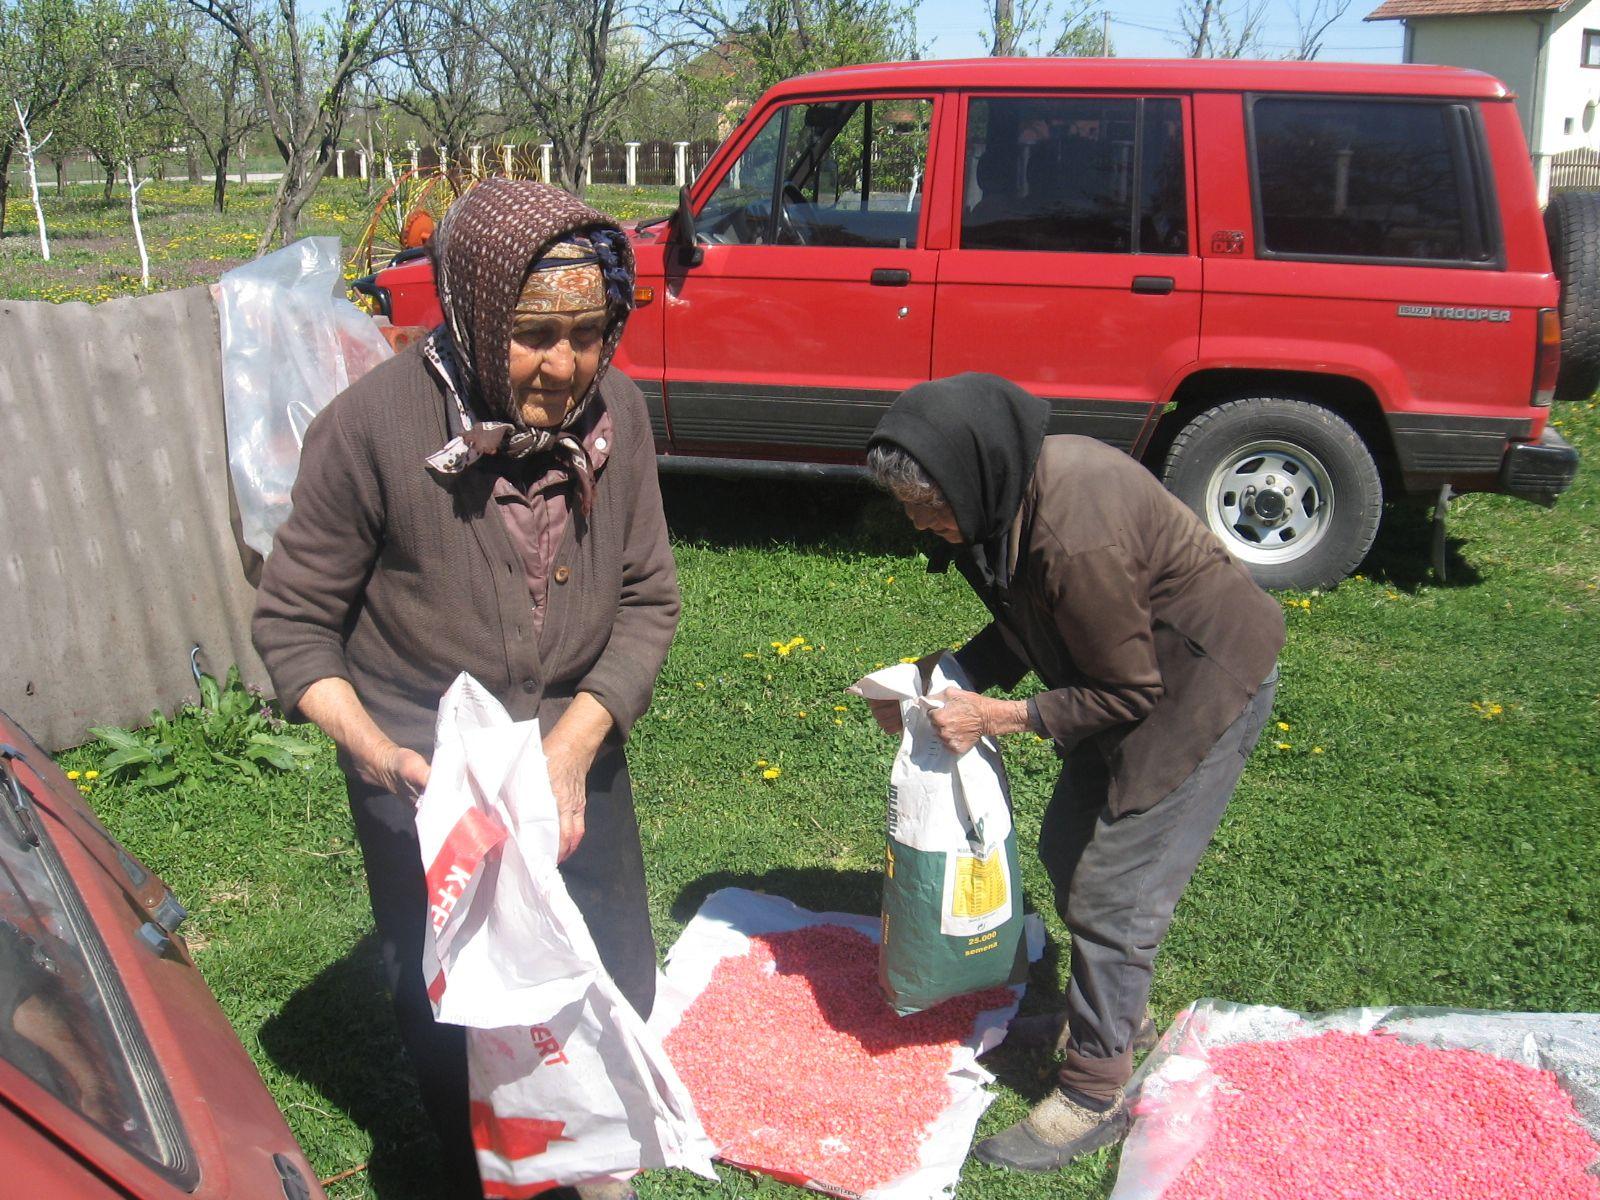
(474, 835)
(514, 1137)
(436, 987)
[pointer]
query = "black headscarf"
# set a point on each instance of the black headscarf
(977, 437)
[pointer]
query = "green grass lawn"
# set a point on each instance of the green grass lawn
(1418, 829)
(93, 255)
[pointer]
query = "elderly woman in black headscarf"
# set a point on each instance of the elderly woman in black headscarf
(485, 502)
(1157, 652)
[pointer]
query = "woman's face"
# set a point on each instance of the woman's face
(936, 516)
(554, 357)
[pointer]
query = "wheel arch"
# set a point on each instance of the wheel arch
(1352, 400)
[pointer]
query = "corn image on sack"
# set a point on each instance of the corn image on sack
(952, 889)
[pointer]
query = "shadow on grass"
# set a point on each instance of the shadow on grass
(1402, 555)
(338, 1035)
(817, 888)
(826, 516)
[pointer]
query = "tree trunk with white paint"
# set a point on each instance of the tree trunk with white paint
(30, 153)
(138, 230)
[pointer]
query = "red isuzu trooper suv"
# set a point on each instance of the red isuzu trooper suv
(1291, 289)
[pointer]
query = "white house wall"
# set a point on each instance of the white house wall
(1572, 91)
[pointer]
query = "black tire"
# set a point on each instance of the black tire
(1245, 452)
(1572, 226)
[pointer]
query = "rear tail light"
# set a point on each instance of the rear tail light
(1547, 358)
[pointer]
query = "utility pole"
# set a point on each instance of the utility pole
(1105, 33)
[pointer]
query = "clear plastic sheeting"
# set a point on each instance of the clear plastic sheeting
(1173, 1109)
(291, 342)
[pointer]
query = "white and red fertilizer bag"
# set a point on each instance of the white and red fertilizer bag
(566, 1083)
(801, 1070)
(1248, 1102)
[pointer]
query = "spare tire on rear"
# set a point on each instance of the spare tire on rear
(1572, 225)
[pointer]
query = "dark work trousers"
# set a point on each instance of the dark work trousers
(605, 877)
(1117, 881)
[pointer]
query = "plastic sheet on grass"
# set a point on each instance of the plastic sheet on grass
(291, 342)
(723, 928)
(1174, 1108)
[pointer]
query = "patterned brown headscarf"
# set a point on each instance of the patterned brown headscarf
(482, 253)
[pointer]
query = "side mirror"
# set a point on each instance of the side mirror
(690, 252)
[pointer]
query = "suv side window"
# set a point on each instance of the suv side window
(1089, 174)
(1369, 179)
(852, 175)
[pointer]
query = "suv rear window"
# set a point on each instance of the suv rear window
(1369, 179)
(1089, 174)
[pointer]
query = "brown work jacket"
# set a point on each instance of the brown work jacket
(397, 582)
(1149, 637)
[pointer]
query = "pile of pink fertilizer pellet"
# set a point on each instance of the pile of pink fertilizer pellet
(799, 1068)
(1345, 1116)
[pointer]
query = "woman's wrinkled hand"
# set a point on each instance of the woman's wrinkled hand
(887, 714)
(959, 721)
(568, 763)
(397, 770)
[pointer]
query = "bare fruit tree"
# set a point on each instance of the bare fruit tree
(1215, 29)
(1311, 25)
(440, 75)
(214, 94)
(571, 65)
(304, 68)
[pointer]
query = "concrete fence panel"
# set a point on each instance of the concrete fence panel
(117, 548)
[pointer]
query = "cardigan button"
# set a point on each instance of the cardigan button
(563, 574)
(530, 685)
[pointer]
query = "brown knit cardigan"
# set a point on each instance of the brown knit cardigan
(386, 577)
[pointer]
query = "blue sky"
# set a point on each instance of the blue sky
(1145, 29)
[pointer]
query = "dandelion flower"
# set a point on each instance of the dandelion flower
(837, 721)
(96, 774)
(1283, 725)
(1284, 746)
(890, 579)
(772, 772)
(1316, 749)
(761, 762)
(74, 774)
(841, 708)
(801, 715)
(750, 654)
(909, 660)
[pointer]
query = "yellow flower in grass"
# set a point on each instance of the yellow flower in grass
(91, 774)
(841, 708)
(909, 660)
(74, 774)
(761, 762)
(1283, 725)
(1284, 746)
(772, 772)
(1316, 749)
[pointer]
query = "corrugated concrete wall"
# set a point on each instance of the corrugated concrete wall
(117, 551)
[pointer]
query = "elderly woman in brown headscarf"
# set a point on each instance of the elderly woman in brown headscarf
(485, 502)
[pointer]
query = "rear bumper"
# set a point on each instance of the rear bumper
(1539, 471)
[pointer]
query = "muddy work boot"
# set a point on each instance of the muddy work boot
(1058, 1130)
(1048, 1031)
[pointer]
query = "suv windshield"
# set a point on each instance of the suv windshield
(65, 1021)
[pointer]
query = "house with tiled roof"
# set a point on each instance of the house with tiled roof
(1547, 51)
